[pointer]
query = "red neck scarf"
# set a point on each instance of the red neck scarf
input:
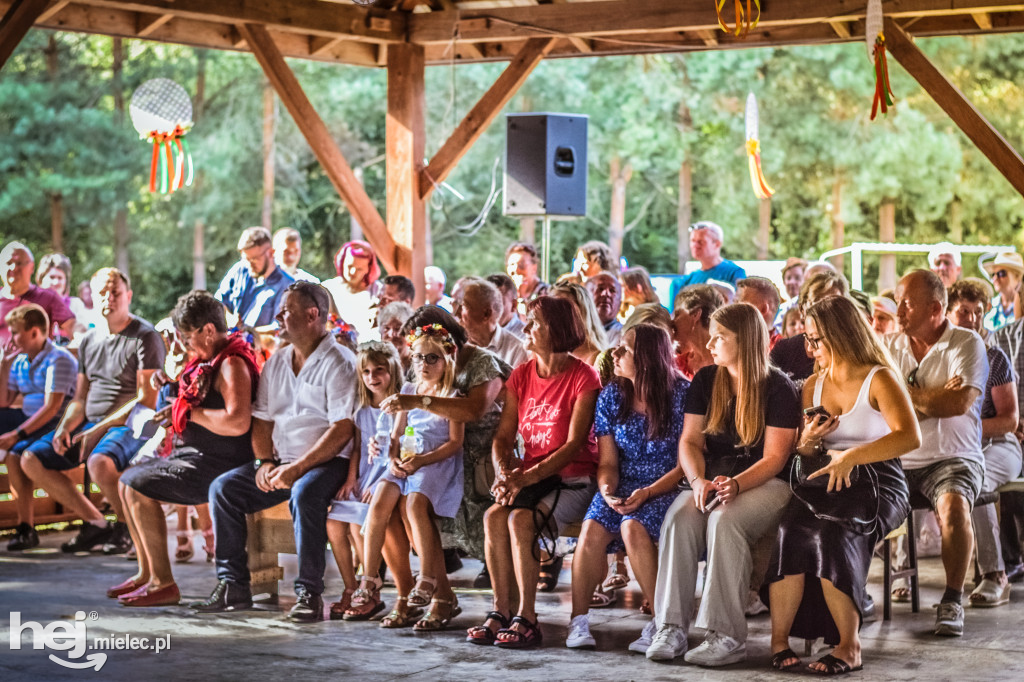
(197, 378)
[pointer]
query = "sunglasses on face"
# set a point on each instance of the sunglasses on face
(429, 358)
(812, 342)
(1000, 273)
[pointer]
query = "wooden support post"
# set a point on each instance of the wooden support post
(405, 133)
(320, 140)
(986, 138)
(15, 24)
(485, 111)
(838, 226)
(620, 177)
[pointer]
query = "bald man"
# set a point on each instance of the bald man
(945, 368)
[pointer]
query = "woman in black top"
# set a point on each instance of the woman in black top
(208, 434)
(741, 422)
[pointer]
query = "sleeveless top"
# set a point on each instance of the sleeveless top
(228, 448)
(862, 424)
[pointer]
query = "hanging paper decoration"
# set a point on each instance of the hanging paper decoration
(757, 181)
(161, 112)
(874, 36)
(745, 18)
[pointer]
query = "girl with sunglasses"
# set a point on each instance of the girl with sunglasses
(425, 486)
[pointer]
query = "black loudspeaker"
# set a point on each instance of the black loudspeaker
(546, 164)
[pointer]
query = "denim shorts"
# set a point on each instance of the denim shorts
(956, 475)
(119, 444)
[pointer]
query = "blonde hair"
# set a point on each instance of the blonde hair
(752, 351)
(579, 295)
(381, 354)
(847, 334)
(649, 313)
(427, 343)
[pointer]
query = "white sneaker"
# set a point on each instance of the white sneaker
(579, 634)
(718, 650)
(641, 645)
(755, 607)
(669, 642)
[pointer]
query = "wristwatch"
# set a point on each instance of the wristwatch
(20, 433)
(425, 401)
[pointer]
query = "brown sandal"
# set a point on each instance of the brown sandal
(339, 607)
(432, 620)
(366, 601)
(401, 616)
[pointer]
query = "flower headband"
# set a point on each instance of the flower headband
(437, 332)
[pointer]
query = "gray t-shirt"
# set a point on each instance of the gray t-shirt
(110, 363)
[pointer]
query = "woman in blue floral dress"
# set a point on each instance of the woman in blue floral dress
(638, 422)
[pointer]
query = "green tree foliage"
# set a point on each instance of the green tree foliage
(61, 133)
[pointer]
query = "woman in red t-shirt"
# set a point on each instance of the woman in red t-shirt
(550, 402)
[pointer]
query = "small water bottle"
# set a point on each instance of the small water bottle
(411, 443)
(383, 433)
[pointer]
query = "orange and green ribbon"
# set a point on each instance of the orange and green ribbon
(757, 179)
(171, 165)
(883, 92)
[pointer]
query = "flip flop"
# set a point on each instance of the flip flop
(784, 655)
(834, 666)
(988, 593)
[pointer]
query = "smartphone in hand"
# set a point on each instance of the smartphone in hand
(711, 501)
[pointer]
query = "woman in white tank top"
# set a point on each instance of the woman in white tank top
(818, 573)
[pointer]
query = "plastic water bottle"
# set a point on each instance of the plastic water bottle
(411, 443)
(383, 433)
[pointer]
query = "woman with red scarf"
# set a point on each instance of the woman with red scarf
(208, 434)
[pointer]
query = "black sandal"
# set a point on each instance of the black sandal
(834, 666)
(528, 638)
(481, 634)
(548, 578)
(786, 654)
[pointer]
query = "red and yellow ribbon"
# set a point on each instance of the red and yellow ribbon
(883, 93)
(745, 18)
(757, 180)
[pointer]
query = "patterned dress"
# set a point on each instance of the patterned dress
(642, 461)
(467, 529)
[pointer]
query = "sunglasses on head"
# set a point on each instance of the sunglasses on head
(429, 358)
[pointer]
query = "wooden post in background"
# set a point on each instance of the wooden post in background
(405, 132)
(764, 227)
(887, 233)
(620, 176)
(199, 255)
(838, 226)
(269, 133)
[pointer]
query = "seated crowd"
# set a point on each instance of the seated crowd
(777, 441)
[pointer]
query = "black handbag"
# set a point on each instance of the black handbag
(805, 465)
(838, 503)
(530, 496)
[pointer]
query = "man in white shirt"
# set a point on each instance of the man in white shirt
(479, 313)
(301, 433)
(946, 369)
(287, 253)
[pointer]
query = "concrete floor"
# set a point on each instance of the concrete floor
(45, 585)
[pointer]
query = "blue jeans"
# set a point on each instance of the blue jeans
(235, 494)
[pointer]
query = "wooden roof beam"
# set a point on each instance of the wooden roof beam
(53, 9)
(983, 20)
(611, 17)
(147, 23)
(320, 140)
(841, 28)
(16, 22)
(291, 16)
(985, 137)
(483, 113)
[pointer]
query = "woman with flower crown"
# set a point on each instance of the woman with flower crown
(425, 485)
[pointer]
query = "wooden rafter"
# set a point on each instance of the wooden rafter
(319, 138)
(985, 137)
(16, 22)
(483, 113)
(147, 23)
